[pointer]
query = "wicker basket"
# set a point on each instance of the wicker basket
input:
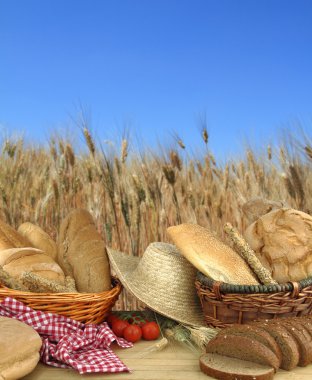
(83, 307)
(225, 304)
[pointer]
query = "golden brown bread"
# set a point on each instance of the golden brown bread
(39, 238)
(282, 240)
(10, 238)
(19, 348)
(16, 261)
(210, 255)
(82, 253)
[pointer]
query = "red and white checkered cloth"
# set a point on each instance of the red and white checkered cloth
(67, 343)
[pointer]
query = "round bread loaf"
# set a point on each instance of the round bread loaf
(10, 238)
(82, 254)
(16, 261)
(210, 255)
(38, 238)
(282, 240)
(19, 349)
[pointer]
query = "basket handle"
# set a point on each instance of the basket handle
(216, 288)
(296, 289)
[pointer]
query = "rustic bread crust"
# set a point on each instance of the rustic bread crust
(82, 253)
(39, 238)
(19, 348)
(210, 255)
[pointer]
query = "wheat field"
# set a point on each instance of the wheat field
(134, 198)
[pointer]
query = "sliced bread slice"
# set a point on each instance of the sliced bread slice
(253, 332)
(244, 348)
(286, 342)
(302, 337)
(225, 368)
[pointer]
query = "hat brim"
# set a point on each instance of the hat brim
(162, 302)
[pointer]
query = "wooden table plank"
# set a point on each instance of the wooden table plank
(175, 362)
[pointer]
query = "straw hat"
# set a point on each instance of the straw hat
(163, 280)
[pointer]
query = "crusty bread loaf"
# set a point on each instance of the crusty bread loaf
(10, 238)
(19, 349)
(16, 261)
(282, 240)
(256, 207)
(39, 238)
(210, 255)
(225, 368)
(82, 253)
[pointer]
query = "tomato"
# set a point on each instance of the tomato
(132, 333)
(150, 331)
(111, 318)
(118, 327)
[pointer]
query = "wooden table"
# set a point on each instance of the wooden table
(174, 362)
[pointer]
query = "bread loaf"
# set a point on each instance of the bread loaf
(39, 239)
(225, 368)
(10, 238)
(282, 240)
(16, 261)
(19, 349)
(210, 255)
(82, 253)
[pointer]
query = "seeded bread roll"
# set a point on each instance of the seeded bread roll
(210, 255)
(19, 349)
(39, 238)
(282, 240)
(225, 368)
(16, 261)
(10, 238)
(82, 253)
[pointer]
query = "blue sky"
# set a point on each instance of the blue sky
(157, 67)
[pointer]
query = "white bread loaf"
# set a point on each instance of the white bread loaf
(282, 240)
(210, 255)
(19, 349)
(16, 261)
(82, 253)
(39, 238)
(10, 238)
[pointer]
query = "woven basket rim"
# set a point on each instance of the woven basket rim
(76, 296)
(249, 289)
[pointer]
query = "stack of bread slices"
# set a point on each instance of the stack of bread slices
(30, 260)
(256, 350)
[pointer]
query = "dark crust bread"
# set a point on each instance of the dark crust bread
(237, 370)
(256, 333)
(286, 342)
(244, 348)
